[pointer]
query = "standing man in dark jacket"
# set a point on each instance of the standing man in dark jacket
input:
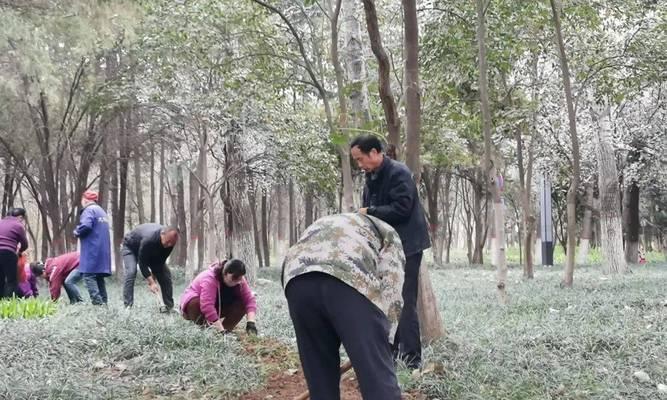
(149, 245)
(391, 195)
(95, 237)
(13, 241)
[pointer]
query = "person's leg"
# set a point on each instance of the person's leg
(130, 275)
(192, 312)
(364, 331)
(93, 290)
(316, 338)
(407, 342)
(232, 314)
(71, 289)
(3, 276)
(166, 286)
(11, 279)
(102, 286)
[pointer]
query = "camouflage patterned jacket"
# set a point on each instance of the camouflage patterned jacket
(362, 251)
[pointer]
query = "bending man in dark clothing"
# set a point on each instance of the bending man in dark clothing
(149, 245)
(391, 195)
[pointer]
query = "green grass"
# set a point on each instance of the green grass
(16, 308)
(548, 343)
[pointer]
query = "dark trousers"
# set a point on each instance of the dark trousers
(407, 342)
(162, 275)
(326, 312)
(97, 288)
(72, 291)
(231, 314)
(8, 274)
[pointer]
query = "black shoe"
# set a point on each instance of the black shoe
(166, 310)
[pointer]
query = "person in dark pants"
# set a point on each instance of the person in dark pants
(342, 282)
(149, 245)
(390, 194)
(95, 237)
(62, 271)
(13, 241)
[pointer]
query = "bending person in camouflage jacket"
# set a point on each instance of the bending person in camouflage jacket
(343, 282)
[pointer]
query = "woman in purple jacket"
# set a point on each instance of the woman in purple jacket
(13, 241)
(220, 297)
(29, 288)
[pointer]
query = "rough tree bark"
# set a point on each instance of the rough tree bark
(489, 167)
(343, 149)
(631, 221)
(587, 230)
(152, 177)
(355, 65)
(384, 80)
(138, 187)
(568, 273)
(265, 230)
(431, 179)
(610, 216)
(181, 218)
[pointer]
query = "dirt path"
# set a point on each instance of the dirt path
(285, 379)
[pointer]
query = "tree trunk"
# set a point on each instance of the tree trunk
(355, 65)
(587, 231)
(343, 150)
(283, 222)
(194, 214)
(384, 80)
(252, 201)
(265, 231)
(152, 176)
(181, 218)
(138, 188)
(610, 216)
(308, 207)
(431, 181)
(568, 274)
(163, 166)
(489, 167)
(631, 222)
(412, 90)
(480, 229)
(292, 214)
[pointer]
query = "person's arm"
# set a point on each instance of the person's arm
(251, 307)
(207, 298)
(86, 223)
(401, 199)
(23, 240)
(143, 259)
(56, 282)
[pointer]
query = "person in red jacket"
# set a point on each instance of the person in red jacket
(63, 271)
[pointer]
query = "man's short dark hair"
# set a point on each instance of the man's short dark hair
(366, 143)
(17, 212)
(235, 267)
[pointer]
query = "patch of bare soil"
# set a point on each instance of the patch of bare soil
(285, 379)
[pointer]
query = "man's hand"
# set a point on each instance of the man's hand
(152, 286)
(251, 328)
(363, 211)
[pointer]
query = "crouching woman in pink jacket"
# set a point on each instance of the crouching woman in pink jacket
(220, 297)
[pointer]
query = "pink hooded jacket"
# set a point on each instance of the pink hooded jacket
(206, 286)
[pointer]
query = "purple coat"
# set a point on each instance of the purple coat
(29, 288)
(93, 231)
(12, 233)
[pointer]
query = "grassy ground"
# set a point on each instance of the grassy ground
(583, 343)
